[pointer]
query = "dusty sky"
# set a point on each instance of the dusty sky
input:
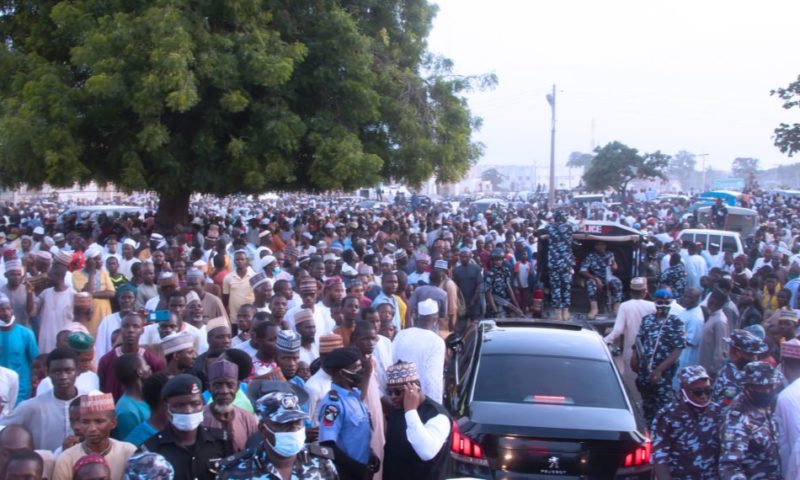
(679, 75)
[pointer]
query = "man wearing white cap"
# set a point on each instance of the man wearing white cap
(629, 318)
(419, 344)
(19, 292)
(55, 304)
(787, 410)
(128, 258)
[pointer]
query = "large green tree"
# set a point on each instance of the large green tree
(494, 177)
(616, 164)
(787, 137)
(226, 96)
(579, 160)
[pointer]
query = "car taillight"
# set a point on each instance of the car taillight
(640, 455)
(463, 445)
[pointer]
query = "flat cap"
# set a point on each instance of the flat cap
(747, 342)
(181, 384)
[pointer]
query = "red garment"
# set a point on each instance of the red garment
(105, 370)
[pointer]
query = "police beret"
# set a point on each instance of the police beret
(341, 358)
(181, 384)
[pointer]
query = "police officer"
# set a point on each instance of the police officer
(745, 347)
(597, 269)
(282, 453)
(344, 421)
(658, 345)
(194, 451)
(686, 432)
(749, 448)
(497, 284)
(559, 264)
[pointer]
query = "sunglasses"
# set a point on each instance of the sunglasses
(701, 392)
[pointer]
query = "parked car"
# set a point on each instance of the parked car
(743, 221)
(535, 399)
(727, 240)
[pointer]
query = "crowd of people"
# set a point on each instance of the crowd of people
(304, 338)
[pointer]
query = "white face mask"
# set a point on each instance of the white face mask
(5, 324)
(288, 444)
(694, 404)
(186, 422)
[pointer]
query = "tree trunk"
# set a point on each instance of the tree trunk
(173, 210)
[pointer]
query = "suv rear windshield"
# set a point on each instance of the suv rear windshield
(550, 380)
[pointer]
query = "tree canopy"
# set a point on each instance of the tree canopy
(616, 164)
(579, 160)
(494, 177)
(228, 96)
(787, 137)
(744, 166)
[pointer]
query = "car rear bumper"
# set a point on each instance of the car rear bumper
(462, 468)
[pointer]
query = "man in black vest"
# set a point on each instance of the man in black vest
(418, 431)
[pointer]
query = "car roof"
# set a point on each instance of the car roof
(709, 232)
(525, 337)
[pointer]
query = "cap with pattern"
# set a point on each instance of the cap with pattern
(13, 266)
(400, 254)
(167, 278)
(279, 407)
(691, 374)
(747, 342)
(177, 342)
(194, 274)
(83, 299)
(440, 264)
(308, 285)
(759, 373)
(288, 341)
(63, 258)
(259, 278)
(80, 342)
(223, 369)
(303, 315)
(788, 314)
(790, 349)
(148, 466)
(97, 402)
(401, 372)
(330, 342)
(639, 283)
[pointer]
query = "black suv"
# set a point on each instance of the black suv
(535, 399)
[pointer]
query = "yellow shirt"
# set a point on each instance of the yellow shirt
(101, 307)
(238, 290)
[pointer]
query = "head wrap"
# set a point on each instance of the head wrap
(126, 287)
(94, 250)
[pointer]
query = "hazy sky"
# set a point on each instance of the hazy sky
(679, 75)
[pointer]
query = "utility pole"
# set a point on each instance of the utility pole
(703, 156)
(551, 99)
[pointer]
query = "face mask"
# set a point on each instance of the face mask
(760, 399)
(288, 444)
(662, 309)
(355, 377)
(187, 422)
(694, 404)
(276, 270)
(8, 323)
